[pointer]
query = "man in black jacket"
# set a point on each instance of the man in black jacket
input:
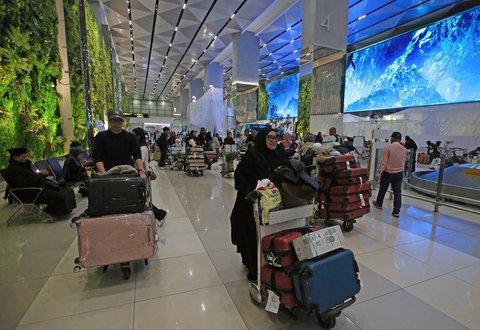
(116, 146)
(19, 173)
(162, 143)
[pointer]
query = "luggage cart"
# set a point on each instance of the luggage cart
(281, 220)
(178, 158)
(151, 233)
(195, 161)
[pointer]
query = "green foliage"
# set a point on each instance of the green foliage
(262, 102)
(304, 104)
(29, 67)
(100, 69)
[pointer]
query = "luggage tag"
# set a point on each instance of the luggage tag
(348, 165)
(362, 200)
(273, 302)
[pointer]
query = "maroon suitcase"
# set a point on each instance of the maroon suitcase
(278, 248)
(351, 190)
(337, 160)
(277, 280)
(351, 176)
(347, 199)
(342, 207)
(325, 213)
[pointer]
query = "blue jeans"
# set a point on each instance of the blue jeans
(396, 180)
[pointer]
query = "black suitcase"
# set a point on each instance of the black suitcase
(113, 194)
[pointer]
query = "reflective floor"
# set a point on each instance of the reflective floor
(421, 271)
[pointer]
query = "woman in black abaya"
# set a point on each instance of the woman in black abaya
(257, 164)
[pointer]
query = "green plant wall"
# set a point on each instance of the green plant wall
(304, 104)
(29, 67)
(100, 69)
(262, 102)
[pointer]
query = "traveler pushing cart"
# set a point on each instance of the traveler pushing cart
(117, 227)
(229, 155)
(178, 158)
(286, 283)
(195, 161)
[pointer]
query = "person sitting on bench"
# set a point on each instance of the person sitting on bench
(19, 173)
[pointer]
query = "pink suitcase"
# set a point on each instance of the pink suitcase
(114, 239)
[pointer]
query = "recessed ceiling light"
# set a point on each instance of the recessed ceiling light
(184, 5)
(233, 15)
(294, 51)
(270, 54)
(176, 28)
(289, 28)
(362, 17)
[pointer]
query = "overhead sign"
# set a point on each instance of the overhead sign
(135, 115)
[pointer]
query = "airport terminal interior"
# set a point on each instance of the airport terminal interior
(366, 67)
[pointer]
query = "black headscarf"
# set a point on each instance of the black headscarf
(273, 157)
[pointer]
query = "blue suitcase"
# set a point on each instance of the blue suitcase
(327, 284)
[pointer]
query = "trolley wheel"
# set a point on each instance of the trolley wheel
(327, 322)
(255, 300)
(76, 269)
(126, 273)
(104, 268)
(146, 262)
(347, 225)
(76, 261)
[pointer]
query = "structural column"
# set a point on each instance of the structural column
(324, 43)
(196, 88)
(63, 84)
(213, 76)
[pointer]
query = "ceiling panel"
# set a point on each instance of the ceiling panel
(160, 66)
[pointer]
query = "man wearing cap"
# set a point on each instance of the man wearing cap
(19, 174)
(390, 171)
(116, 146)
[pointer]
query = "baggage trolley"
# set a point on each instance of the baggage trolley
(148, 234)
(281, 220)
(178, 158)
(195, 161)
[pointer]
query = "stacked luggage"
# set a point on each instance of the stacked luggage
(117, 227)
(178, 155)
(345, 190)
(324, 284)
(195, 162)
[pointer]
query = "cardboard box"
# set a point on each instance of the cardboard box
(319, 242)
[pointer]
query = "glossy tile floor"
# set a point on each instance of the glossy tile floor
(421, 271)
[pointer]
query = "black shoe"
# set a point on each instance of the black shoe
(376, 205)
(396, 214)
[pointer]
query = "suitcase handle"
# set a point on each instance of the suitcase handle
(149, 236)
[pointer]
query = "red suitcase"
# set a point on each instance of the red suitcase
(341, 207)
(351, 190)
(347, 199)
(337, 160)
(343, 215)
(278, 248)
(351, 176)
(336, 164)
(277, 280)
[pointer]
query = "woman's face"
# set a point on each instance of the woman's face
(271, 140)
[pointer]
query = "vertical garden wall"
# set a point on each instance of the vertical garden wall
(100, 69)
(304, 104)
(262, 102)
(29, 67)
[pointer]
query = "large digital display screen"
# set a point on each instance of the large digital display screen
(283, 97)
(436, 64)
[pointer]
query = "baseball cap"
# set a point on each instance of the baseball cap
(118, 114)
(17, 151)
(396, 136)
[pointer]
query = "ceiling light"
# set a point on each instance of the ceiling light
(298, 58)
(292, 40)
(279, 67)
(233, 15)
(295, 51)
(205, 51)
(264, 45)
(270, 54)
(274, 61)
(184, 5)
(130, 22)
(176, 28)
(170, 45)
(282, 72)
(289, 28)
(362, 17)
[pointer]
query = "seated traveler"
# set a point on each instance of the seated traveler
(19, 174)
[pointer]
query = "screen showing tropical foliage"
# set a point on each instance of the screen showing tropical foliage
(283, 97)
(436, 64)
